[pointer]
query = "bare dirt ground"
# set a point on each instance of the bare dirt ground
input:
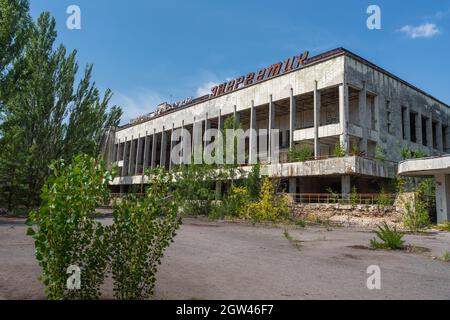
(220, 260)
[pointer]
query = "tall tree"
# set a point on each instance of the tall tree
(44, 117)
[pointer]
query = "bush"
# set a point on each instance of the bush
(67, 233)
(444, 226)
(339, 150)
(391, 238)
(383, 199)
(301, 153)
(237, 198)
(416, 214)
(271, 206)
(354, 197)
(142, 230)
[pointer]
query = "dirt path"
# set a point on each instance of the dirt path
(214, 260)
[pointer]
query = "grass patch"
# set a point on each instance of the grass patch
(387, 238)
(444, 226)
(446, 256)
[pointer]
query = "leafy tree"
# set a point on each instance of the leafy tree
(44, 118)
(142, 230)
(66, 231)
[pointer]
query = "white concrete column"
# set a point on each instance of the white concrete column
(183, 147)
(218, 190)
(316, 121)
(363, 119)
(443, 197)
(154, 142)
(271, 127)
(197, 142)
(407, 125)
(237, 116)
(130, 159)
(146, 145)
(292, 118)
(171, 146)
(440, 141)
(345, 186)
(419, 127)
(253, 145)
(343, 116)
(163, 148)
(430, 132)
(292, 185)
(118, 151)
(124, 162)
(138, 153)
(220, 120)
(207, 127)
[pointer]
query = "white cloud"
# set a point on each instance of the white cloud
(426, 30)
(136, 104)
(205, 88)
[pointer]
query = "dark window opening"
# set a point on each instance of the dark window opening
(434, 127)
(424, 132)
(444, 138)
(403, 123)
(412, 127)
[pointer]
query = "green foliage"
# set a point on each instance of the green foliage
(383, 199)
(237, 198)
(390, 238)
(407, 153)
(142, 230)
(44, 115)
(270, 206)
(416, 215)
(253, 182)
(339, 150)
(444, 226)
(446, 256)
(354, 197)
(334, 197)
(66, 232)
(195, 185)
(380, 153)
(300, 153)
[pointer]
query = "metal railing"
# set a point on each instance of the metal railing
(348, 199)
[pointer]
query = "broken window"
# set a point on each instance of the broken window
(424, 131)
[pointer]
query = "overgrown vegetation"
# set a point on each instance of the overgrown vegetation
(66, 232)
(416, 216)
(388, 238)
(300, 153)
(339, 150)
(44, 114)
(444, 226)
(142, 230)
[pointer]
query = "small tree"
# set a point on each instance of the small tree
(339, 150)
(301, 153)
(66, 233)
(271, 206)
(354, 197)
(142, 230)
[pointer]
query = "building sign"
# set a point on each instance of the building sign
(262, 74)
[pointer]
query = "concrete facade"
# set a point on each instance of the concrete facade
(334, 98)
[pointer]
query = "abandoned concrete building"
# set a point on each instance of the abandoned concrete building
(335, 98)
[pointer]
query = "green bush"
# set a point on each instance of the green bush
(339, 150)
(383, 199)
(416, 215)
(444, 226)
(390, 238)
(354, 197)
(301, 153)
(142, 230)
(66, 232)
(269, 207)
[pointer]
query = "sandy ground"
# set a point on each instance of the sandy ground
(219, 260)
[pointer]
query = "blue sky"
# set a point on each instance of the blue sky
(148, 52)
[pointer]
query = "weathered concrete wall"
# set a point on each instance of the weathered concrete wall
(391, 95)
(327, 73)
